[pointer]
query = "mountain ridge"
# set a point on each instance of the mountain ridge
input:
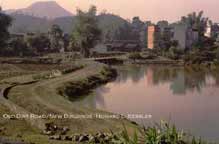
(25, 23)
(27, 20)
(42, 9)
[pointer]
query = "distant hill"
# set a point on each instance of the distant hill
(66, 23)
(40, 16)
(43, 9)
(110, 24)
(24, 23)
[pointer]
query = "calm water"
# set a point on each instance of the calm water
(188, 98)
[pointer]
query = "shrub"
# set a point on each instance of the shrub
(217, 54)
(135, 56)
(162, 133)
(72, 69)
(175, 53)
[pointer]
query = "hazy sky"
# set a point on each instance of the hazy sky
(153, 10)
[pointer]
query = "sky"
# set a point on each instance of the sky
(153, 10)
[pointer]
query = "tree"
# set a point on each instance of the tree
(134, 56)
(125, 32)
(137, 23)
(86, 32)
(5, 22)
(137, 27)
(196, 22)
(217, 54)
(18, 47)
(56, 38)
(38, 43)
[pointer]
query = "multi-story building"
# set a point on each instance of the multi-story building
(151, 39)
(180, 34)
(153, 35)
(163, 25)
(185, 35)
(159, 35)
(143, 36)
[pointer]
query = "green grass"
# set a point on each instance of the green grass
(14, 128)
(162, 133)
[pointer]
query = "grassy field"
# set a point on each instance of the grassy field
(42, 96)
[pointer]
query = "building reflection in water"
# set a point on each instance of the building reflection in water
(180, 81)
(189, 96)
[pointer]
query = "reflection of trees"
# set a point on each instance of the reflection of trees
(215, 75)
(135, 73)
(180, 79)
(164, 74)
(123, 76)
(178, 84)
(195, 80)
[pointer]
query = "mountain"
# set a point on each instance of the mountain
(66, 23)
(40, 16)
(43, 9)
(24, 23)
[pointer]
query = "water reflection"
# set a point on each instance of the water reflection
(189, 97)
(181, 80)
(132, 72)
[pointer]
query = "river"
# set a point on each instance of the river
(187, 98)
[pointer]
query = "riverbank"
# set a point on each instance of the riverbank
(75, 89)
(157, 62)
(50, 94)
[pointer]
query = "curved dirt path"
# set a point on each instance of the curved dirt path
(42, 97)
(40, 124)
(44, 92)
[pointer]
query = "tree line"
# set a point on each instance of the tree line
(84, 36)
(88, 29)
(87, 32)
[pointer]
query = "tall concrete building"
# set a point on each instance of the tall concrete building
(143, 36)
(180, 34)
(185, 36)
(152, 36)
(163, 25)
(151, 31)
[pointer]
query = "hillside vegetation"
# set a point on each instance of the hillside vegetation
(25, 23)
